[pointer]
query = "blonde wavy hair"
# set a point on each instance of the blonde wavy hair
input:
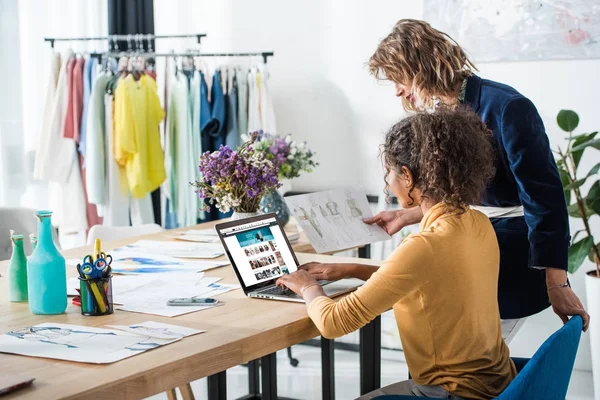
(419, 56)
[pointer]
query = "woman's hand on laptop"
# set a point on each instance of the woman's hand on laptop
(325, 272)
(394, 220)
(303, 284)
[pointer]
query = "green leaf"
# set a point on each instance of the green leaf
(575, 185)
(578, 252)
(576, 234)
(578, 183)
(593, 143)
(592, 201)
(578, 143)
(574, 212)
(591, 254)
(567, 120)
(564, 178)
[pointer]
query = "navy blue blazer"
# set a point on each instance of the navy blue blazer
(526, 175)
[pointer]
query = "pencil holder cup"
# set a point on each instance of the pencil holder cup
(96, 296)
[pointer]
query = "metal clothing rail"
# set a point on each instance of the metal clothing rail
(264, 54)
(129, 37)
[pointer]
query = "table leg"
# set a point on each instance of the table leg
(327, 369)
(186, 392)
(171, 394)
(253, 378)
(268, 366)
(364, 252)
(370, 356)
(217, 386)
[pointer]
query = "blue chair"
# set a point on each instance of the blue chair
(546, 375)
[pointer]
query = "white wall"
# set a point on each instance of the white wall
(324, 94)
(11, 138)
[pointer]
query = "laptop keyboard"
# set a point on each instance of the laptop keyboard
(278, 291)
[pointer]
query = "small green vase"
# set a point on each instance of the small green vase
(17, 271)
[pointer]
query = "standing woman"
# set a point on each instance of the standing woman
(525, 201)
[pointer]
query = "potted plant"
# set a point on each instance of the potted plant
(291, 158)
(236, 179)
(582, 206)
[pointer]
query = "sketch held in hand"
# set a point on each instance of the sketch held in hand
(308, 223)
(333, 220)
(355, 214)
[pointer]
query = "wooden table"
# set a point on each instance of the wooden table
(239, 332)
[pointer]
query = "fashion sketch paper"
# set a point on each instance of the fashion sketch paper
(333, 220)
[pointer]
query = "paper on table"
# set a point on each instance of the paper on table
(136, 262)
(152, 298)
(219, 288)
(158, 330)
(77, 343)
(332, 219)
(176, 249)
(126, 283)
(190, 237)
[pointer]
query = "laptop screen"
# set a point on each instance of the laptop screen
(258, 249)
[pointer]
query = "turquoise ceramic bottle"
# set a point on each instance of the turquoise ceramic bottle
(17, 270)
(46, 272)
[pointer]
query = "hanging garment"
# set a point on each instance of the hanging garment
(196, 135)
(232, 138)
(57, 158)
(137, 138)
(75, 98)
(95, 146)
(89, 76)
(254, 122)
(57, 163)
(218, 112)
(242, 109)
(179, 156)
(205, 114)
(170, 186)
(116, 195)
(72, 125)
(267, 112)
(41, 152)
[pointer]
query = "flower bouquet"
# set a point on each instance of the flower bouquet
(290, 158)
(236, 179)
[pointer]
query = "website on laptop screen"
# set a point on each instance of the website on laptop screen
(259, 250)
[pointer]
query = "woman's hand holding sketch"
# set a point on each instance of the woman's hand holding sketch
(394, 220)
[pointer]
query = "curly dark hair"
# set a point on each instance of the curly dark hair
(449, 152)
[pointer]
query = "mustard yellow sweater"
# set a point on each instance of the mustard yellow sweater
(442, 284)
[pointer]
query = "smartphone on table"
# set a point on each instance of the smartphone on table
(193, 301)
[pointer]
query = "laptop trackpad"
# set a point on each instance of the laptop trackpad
(342, 286)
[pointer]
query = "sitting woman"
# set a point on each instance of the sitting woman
(442, 282)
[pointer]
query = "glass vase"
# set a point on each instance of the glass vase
(273, 202)
(242, 215)
(46, 272)
(17, 271)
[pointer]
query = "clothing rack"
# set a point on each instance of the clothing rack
(130, 37)
(264, 54)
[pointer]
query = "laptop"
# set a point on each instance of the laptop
(259, 252)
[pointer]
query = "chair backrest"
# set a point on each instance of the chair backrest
(110, 233)
(546, 375)
(24, 222)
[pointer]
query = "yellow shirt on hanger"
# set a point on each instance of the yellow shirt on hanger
(137, 138)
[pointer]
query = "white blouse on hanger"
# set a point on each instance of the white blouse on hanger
(57, 161)
(254, 122)
(267, 112)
